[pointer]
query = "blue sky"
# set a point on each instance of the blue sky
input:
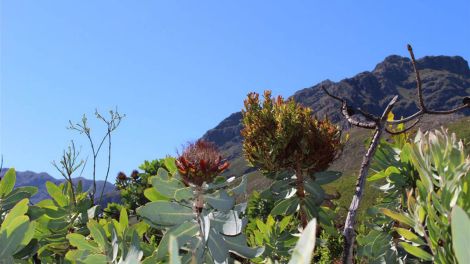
(177, 68)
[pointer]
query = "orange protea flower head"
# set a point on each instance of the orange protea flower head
(200, 162)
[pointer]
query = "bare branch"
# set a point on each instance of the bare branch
(419, 86)
(345, 112)
(352, 121)
(348, 232)
(423, 110)
(391, 132)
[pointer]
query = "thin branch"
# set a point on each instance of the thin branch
(348, 232)
(352, 121)
(391, 132)
(418, 79)
(345, 112)
(68, 165)
(423, 109)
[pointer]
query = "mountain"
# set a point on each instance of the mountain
(445, 81)
(29, 178)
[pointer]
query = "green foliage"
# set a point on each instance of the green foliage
(460, 234)
(111, 242)
(132, 187)
(204, 220)
(427, 179)
(9, 197)
(276, 236)
(17, 230)
(329, 247)
(259, 206)
(303, 250)
(281, 135)
(60, 216)
(16, 233)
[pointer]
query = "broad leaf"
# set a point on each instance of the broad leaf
(286, 207)
(303, 251)
(163, 213)
(220, 200)
(416, 251)
(325, 177)
(8, 182)
(460, 234)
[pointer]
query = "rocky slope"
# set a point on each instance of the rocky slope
(446, 80)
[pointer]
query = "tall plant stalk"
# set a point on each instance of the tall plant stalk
(112, 124)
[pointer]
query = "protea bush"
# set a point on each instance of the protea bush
(281, 137)
(281, 134)
(195, 209)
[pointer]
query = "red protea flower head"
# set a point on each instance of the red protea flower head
(200, 162)
(122, 176)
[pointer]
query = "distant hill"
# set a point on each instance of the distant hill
(446, 80)
(29, 178)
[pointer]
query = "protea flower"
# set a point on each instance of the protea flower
(200, 162)
(122, 176)
(135, 175)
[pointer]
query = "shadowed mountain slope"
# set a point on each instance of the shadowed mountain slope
(445, 80)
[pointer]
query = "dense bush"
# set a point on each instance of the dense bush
(285, 141)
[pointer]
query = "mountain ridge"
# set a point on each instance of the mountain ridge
(445, 81)
(31, 178)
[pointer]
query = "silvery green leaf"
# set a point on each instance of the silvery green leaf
(163, 174)
(182, 233)
(165, 213)
(240, 208)
(220, 200)
(460, 234)
(184, 194)
(303, 251)
(173, 251)
(227, 223)
(166, 188)
(92, 212)
(206, 226)
(241, 188)
(237, 244)
(217, 247)
(114, 245)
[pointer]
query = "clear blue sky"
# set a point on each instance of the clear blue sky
(177, 68)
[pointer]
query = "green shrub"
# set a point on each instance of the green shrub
(201, 216)
(429, 179)
(282, 138)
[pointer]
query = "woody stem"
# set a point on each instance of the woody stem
(301, 193)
